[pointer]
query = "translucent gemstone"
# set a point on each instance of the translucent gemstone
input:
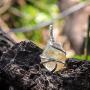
(51, 52)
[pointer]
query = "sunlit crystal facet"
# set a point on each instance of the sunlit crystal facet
(54, 54)
(51, 52)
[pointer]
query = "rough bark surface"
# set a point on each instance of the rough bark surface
(20, 69)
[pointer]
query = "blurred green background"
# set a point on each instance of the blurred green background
(28, 13)
(32, 12)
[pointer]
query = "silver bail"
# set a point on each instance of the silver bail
(51, 33)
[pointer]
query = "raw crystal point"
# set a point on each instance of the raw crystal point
(57, 55)
(54, 51)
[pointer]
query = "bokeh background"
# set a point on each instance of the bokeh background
(30, 20)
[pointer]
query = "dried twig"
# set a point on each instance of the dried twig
(6, 29)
